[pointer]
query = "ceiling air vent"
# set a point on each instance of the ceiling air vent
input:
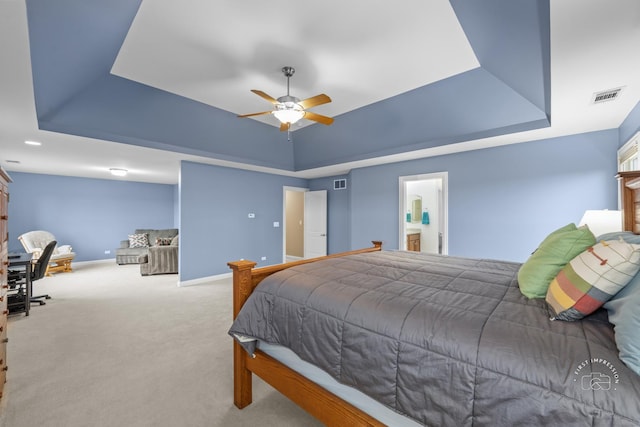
(607, 95)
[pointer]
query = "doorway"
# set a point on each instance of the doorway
(423, 213)
(304, 231)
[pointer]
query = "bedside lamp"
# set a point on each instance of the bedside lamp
(602, 221)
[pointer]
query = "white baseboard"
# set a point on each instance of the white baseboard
(192, 282)
(202, 280)
(95, 261)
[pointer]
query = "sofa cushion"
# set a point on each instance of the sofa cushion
(154, 234)
(163, 241)
(138, 240)
(160, 260)
(132, 251)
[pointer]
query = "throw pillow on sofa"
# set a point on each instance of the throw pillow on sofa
(138, 240)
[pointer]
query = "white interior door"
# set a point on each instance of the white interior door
(315, 223)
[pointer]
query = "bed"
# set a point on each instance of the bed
(458, 343)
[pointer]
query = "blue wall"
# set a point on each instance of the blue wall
(214, 227)
(91, 215)
(630, 125)
(176, 207)
(338, 213)
(502, 201)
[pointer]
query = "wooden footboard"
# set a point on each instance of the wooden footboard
(325, 406)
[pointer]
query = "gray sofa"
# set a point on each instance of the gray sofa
(160, 260)
(126, 254)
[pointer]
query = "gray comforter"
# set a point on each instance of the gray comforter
(446, 341)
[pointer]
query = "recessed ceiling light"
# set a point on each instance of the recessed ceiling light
(118, 171)
(33, 143)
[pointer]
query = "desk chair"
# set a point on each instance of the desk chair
(37, 272)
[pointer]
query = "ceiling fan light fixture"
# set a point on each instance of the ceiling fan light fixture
(289, 109)
(288, 113)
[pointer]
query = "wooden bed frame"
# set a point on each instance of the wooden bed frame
(325, 406)
(322, 404)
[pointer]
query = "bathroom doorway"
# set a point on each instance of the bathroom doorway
(423, 213)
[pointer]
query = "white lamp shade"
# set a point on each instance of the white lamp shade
(288, 112)
(602, 221)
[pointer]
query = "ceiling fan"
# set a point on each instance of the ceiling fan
(289, 109)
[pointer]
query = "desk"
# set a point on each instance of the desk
(23, 260)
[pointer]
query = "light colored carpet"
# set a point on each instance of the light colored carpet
(113, 348)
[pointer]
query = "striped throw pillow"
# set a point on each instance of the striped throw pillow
(592, 278)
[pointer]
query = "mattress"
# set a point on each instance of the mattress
(443, 341)
(349, 394)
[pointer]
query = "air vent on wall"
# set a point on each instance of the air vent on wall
(339, 184)
(607, 95)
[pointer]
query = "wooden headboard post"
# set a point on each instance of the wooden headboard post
(630, 198)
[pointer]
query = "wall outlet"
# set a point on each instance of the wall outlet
(264, 258)
(276, 224)
(251, 215)
(107, 252)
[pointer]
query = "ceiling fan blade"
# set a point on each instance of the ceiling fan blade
(269, 98)
(255, 114)
(314, 100)
(318, 118)
(284, 126)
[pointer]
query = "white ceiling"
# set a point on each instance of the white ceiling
(191, 49)
(363, 54)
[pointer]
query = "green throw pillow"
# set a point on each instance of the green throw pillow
(555, 251)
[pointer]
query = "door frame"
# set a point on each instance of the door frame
(444, 209)
(284, 216)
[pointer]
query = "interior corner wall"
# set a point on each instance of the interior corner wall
(91, 215)
(502, 201)
(176, 206)
(215, 228)
(630, 125)
(338, 213)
